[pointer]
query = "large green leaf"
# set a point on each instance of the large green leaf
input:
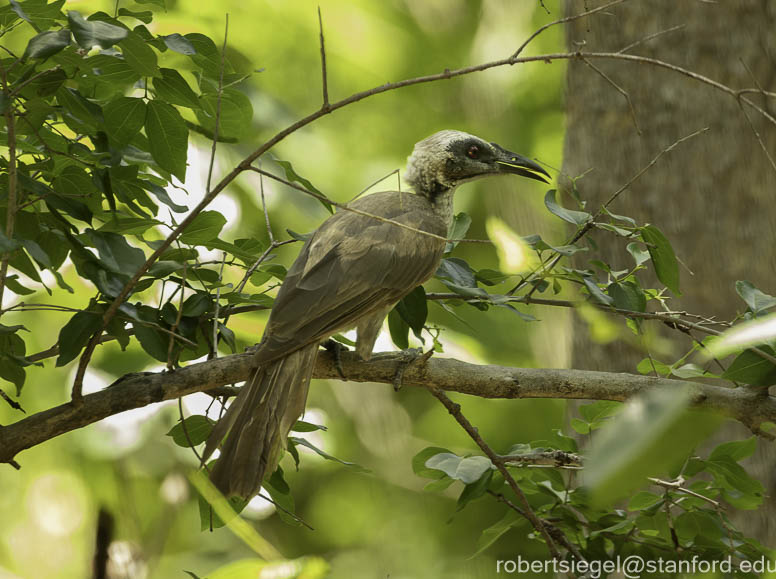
(575, 217)
(193, 428)
(750, 368)
(754, 298)
(75, 333)
(116, 254)
(47, 43)
(652, 433)
(663, 257)
(467, 470)
(205, 227)
(174, 89)
(234, 118)
(89, 33)
(168, 137)
(414, 309)
(124, 117)
(139, 55)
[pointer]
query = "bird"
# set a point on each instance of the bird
(350, 272)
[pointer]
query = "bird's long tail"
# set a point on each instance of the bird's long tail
(258, 421)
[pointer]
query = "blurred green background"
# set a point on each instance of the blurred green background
(380, 524)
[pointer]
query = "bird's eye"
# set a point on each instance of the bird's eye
(473, 152)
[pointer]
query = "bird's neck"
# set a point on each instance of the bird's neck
(441, 199)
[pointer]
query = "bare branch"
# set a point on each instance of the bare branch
(10, 218)
(619, 89)
(455, 410)
(563, 21)
(650, 37)
(325, 82)
(750, 406)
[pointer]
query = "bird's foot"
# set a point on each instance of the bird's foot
(409, 357)
(336, 348)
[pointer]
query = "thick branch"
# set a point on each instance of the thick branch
(750, 406)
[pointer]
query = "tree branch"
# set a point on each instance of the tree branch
(749, 406)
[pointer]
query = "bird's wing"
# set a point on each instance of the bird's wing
(351, 267)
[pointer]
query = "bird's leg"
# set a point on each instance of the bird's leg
(409, 357)
(336, 348)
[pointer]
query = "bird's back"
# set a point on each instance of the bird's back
(352, 266)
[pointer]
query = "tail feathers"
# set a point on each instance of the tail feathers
(258, 421)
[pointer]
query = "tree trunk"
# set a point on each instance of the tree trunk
(713, 196)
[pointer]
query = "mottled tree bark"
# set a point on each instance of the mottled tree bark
(714, 195)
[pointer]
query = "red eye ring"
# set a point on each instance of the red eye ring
(473, 152)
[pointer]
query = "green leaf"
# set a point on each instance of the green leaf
(280, 492)
(639, 255)
(735, 449)
(205, 227)
(46, 43)
(155, 343)
(75, 334)
(116, 254)
(596, 293)
(580, 426)
(474, 490)
(94, 33)
(206, 55)
(457, 271)
(174, 89)
(124, 117)
(490, 535)
(82, 112)
(145, 16)
(754, 298)
(293, 176)
(197, 304)
(234, 119)
(458, 229)
(627, 296)
(575, 217)
(179, 43)
(663, 257)
(302, 426)
(111, 71)
(193, 428)
(139, 55)
(306, 443)
(742, 491)
(39, 13)
(399, 330)
(750, 368)
(643, 500)
(158, 3)
(467, 470)
(653, 432)
(414, 310)
(168, 138)
(419, 462)
(649, 366)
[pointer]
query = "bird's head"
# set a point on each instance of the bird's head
(446, 159)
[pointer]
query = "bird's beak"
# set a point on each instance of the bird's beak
(510, 162)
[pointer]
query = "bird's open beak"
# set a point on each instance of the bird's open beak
(516, 164)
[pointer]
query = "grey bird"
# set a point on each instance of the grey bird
(350, 273)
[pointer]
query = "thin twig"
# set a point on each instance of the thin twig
(325, 82)
(264, 208)
(368, 187)
(455, 410)
(619, 89)
(347, 207)
(11, 402)
(650, 37)
(563, 21)
(218, 105)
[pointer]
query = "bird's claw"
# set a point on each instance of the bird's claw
(336, 348)
(409, 357)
